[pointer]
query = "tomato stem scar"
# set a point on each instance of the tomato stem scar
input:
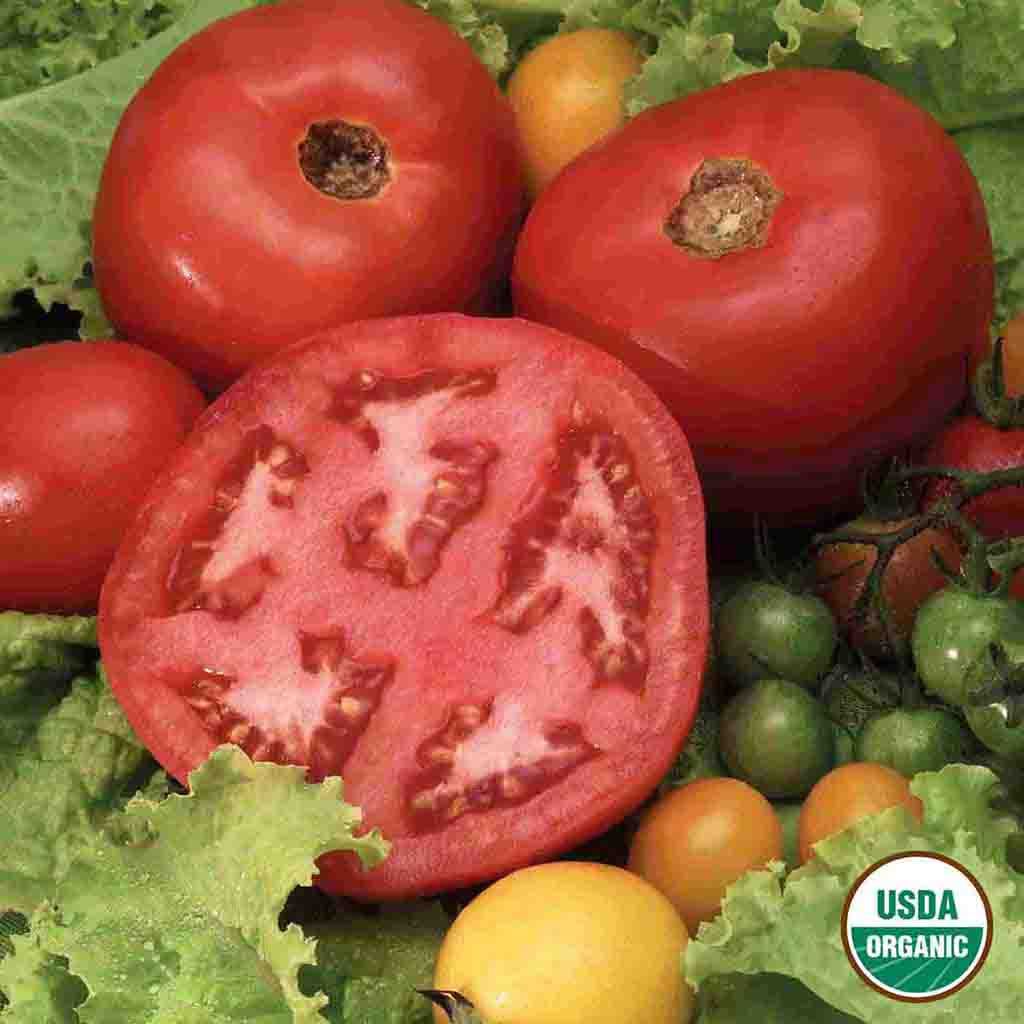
(344, 161)
(728, 208)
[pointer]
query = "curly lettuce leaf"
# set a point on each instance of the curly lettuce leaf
(49, 40)
(770, 921)
(995, 154)
(181, 925)
(53, 142)
(61, 784)
(371, 964)
(763, 999)
(68, 757)
(959, 59)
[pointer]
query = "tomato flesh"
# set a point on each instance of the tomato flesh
(457, 561)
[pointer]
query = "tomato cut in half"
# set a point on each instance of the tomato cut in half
(458, 561)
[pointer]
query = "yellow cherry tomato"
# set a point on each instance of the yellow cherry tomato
(697, 840)
(1013, 356)
(848, 793)
(567, 94)
(567, 942)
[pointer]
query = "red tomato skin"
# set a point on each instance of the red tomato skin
(972, 443)
(795, 365)
(446, 622)
(84, 429)
(239, 253)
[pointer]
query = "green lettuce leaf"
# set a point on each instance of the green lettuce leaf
(480, 26)
(47, 41)
(181, 926)
(996, 156)
(770, 921)
(959, 59)
(61, 784)
(53, 142)
(763, 999)
(371, 964)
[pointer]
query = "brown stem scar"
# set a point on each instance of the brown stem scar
(728, 208)
(344, 161)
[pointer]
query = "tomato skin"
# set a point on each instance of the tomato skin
(909, 579)
(764, 630)
(913, 740)
(604, 743)
(847, 794)
(697, 840)
(970, 443)
(776, 736)
(567, 942)
(953, 629)
(567, 94)
(85, 427)
(240, 253)
(863, 301)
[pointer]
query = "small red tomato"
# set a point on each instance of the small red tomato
(911, 576)
(971, 443)
(299, 165)
(84, 429)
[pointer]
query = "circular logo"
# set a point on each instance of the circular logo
(917, 926)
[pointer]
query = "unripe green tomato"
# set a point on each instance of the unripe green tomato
(767, 631)
(776, 736)
(913, 740)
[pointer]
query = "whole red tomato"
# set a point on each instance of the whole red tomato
(973, 444)
(458, 561)
(84, 429)
(298, 165)
(798, 262)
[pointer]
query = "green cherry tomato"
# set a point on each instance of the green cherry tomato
(913, 740)
(776, 736)
(767, 631)
(952, 629)
(988, 723)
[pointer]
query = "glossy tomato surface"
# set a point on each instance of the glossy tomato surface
(299, 165)
(84, 429)
(458, 561)
(798, 262)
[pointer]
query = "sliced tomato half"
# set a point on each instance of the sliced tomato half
(457, 561)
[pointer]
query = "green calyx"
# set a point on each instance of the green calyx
(988, 390)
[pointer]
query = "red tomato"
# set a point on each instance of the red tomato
(458, 561)
(971, 443)
(84, 429)
(299, 165)
(797, 262)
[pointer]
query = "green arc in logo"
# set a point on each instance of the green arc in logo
(917, 961)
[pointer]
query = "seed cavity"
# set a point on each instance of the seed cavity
(490, 755)
(586, 546)
(429, 489)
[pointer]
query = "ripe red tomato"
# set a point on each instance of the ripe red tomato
(458, 561)
(84, 429)
(798, 262)
(971, 443)
(299, 165)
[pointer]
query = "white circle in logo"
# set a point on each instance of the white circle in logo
(917, 926)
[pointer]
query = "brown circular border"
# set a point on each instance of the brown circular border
(903, 856)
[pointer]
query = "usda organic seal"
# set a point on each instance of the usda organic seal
(917, 926)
